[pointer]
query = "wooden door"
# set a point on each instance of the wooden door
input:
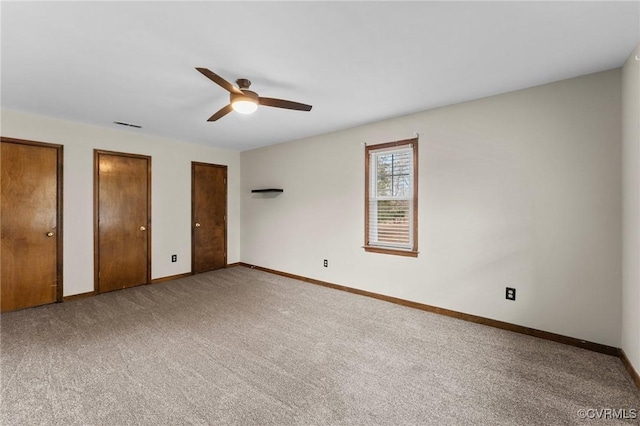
(31, 230)
(122, 220)
(209, 217)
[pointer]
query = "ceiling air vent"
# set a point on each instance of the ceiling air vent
(127, 124)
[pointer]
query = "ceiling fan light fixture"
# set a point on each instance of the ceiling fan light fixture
(244, 106)
(245, 103)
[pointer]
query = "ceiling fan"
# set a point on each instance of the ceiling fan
(244, 100)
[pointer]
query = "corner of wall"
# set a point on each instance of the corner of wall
(630, 315)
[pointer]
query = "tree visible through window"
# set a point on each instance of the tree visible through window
(391, 198)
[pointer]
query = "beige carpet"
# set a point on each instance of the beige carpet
(244, 347)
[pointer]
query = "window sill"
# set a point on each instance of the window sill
(396, 252)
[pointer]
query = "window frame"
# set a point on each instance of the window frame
(378, 248)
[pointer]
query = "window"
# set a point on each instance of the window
(391, 198)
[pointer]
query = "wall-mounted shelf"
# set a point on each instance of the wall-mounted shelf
(268, 190)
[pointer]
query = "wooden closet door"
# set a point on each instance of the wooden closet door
(31, 188)
(122, 220)
(209, 217)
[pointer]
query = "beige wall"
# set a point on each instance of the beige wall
(170, 192)
(521, 189)
(631, 209)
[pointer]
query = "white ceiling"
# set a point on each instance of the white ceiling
(355, 62)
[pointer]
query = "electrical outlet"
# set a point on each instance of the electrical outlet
(510, 294)
(174, 257)
(326, 263)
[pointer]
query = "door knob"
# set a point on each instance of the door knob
(197, 225)
(50, 234)
(142, 228)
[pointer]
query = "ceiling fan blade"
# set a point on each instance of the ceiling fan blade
(223, 111)
(219, 81)
(281, 103)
